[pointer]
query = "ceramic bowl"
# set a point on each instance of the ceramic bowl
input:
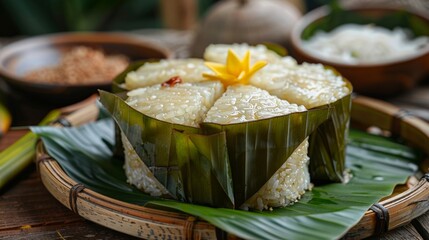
(381, 79)
(20, 57)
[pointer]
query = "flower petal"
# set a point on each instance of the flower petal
(211, 77)
(235, 71)
(258, 65)
(245, 63)
(216, 67)
(233, 64)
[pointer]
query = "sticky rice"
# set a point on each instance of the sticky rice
(218, 52)
(190, 70)
(243, 103)
(311, 85)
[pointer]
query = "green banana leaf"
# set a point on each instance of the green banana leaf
(203, 161)
(327, 212)
(327, 145)
(258, 147)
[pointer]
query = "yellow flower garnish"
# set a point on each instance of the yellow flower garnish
(235, 71)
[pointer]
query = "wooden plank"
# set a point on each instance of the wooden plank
(406, 232)
(77, 230)
(422, 225)
(30, 204)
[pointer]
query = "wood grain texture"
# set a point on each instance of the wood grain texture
(407, 232)
(31, 205)
(76, 230)
(422, 225)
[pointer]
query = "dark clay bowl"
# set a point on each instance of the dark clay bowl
(382, 79)
(18, 58)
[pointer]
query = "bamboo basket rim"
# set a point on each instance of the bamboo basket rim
(146, 222)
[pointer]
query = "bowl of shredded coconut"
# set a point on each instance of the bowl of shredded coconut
(68, 67)
(382, 51)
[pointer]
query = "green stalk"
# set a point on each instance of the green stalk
(19, 155)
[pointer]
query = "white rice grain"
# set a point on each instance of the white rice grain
(311, 85)
(190, 70)
(354, 44)
(218, 53)
(138, 174)
(242, 103)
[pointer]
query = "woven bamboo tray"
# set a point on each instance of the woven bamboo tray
(409, 201)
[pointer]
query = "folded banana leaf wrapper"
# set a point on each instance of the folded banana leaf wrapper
(327, 144)
(224, 165)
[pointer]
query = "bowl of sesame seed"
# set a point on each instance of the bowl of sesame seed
(69, 67)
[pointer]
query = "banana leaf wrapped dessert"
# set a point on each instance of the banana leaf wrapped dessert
(217, 140)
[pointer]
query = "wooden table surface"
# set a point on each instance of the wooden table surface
(28, 211)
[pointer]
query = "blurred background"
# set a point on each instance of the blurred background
(33, 17)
